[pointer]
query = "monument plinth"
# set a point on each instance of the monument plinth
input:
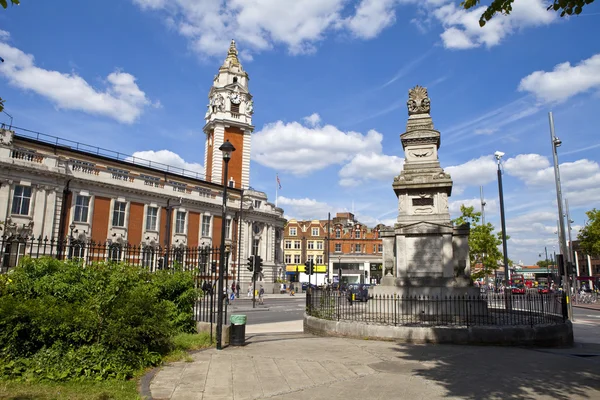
(425, 254)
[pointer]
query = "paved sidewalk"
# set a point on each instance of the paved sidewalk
(295, 366)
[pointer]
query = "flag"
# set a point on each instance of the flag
(278, 183)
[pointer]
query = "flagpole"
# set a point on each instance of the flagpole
(276, 188)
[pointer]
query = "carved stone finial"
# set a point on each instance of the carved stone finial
(232, 56)
(418, 101)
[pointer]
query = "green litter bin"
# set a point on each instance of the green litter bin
(237, 331)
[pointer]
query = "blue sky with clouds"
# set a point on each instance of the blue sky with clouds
(330, 81)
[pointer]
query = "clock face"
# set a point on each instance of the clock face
(236, 98)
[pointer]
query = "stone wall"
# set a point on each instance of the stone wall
(542, 335)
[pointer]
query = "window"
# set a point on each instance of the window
(293, 232)
(338, 247)
(296, 258)
(76, 249)
(13, 251)
(338, 234)
(380, 247)
(319, 259)
(148, 257)
(151, 217)
(296, 244)
(315, 231)
(228, 228)
(319, 245)
(119, 213)
(234, 79)
(21, 200)
(114, 252)
(288, 244)
(310, 257)
(255, 244)
(311, 245)
(357, 248)
(235, 108)
(257, 203)
(288, 258)
(206, 226)
(374, 248)
(82, 206)
(180, 222)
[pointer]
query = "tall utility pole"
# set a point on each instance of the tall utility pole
(498, 156)
(571, 255)
(561, 220)
(483, 203)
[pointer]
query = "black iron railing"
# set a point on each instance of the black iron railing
(491, 310)
(202, 262)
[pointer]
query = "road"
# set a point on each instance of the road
(274, 310)
(586, 327)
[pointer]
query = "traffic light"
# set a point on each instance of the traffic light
(250, 263)
(213, 267)
(258, 264)
(561, 264)
(309, 267)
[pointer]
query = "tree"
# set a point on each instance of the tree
(483, 242)
(544, 263)
(566, 7)
(589, 236)
(4, 3)
(1, 104)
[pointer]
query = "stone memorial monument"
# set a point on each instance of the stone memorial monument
(424, 254)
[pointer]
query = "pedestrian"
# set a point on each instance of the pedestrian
(233, 288)
(237, 290)
(291, 288)
(261, 294)
(249, 290)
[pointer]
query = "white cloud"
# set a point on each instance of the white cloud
(313, 119)
(4, 35)
(454, 206)
(165, 157)
(475, 172)
(462, 30)
(301, 150)
(364, 168)
(372, 17)
(528, 167)
(303, 209)
(257, 24)
(122, 99)
(564, 81)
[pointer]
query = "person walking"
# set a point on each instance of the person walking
(261, 295)
(249, 290)
(237, 290)
(291, 288)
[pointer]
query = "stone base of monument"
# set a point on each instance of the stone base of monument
(432, 296)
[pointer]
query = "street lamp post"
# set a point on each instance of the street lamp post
(498, 156)
(227, 148)
(556, 142)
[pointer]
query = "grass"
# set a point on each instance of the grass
(99, 390)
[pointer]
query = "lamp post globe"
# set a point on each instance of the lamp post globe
(226, 148)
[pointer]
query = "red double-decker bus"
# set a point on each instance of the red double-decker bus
(517, 284)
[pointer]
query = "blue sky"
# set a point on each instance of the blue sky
(330, 81)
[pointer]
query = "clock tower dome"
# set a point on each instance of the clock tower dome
(229, 117)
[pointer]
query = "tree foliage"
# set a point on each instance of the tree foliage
(4, 3)
(60, 321)
(565, 7)
(589, 236)
(544, 263)
(483, 242)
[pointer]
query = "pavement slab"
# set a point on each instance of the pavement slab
(297, 366)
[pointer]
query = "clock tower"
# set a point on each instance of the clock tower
(229, 117)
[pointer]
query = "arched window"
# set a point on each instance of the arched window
(76, 249)
(115, 251)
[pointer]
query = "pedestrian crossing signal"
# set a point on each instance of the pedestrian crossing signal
(250, 264)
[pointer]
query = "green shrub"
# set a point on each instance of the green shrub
(61, 320)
